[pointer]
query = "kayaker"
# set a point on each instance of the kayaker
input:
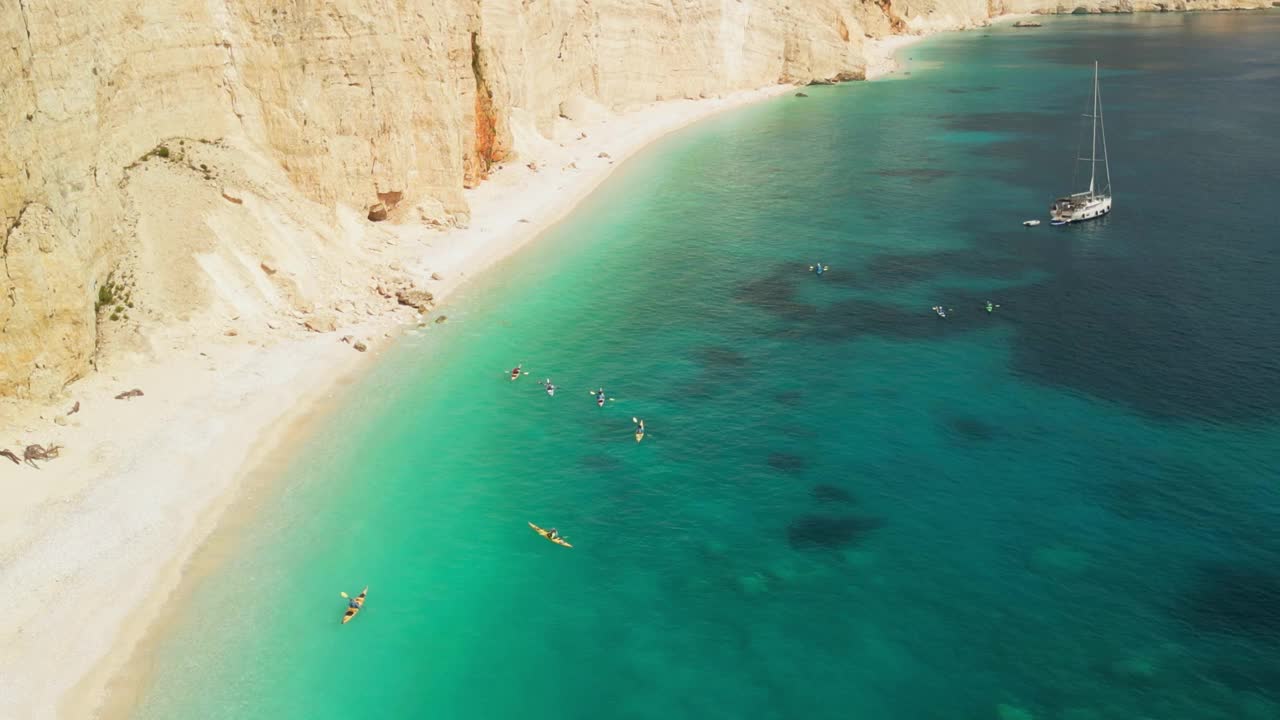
(989, 306)
(600, 397)
(818, 268)
(640, 427)
(353, 604)
(553, 534)
(551, 389)
(515, 372)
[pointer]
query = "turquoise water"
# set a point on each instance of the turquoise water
(845, 506)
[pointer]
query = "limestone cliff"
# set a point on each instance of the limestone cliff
(161, 159)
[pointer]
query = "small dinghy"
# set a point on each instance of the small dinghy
(1031, 223)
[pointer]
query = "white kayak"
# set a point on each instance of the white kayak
(1031, 223)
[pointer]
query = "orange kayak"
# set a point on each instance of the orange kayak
(547, 534)
(351, 611)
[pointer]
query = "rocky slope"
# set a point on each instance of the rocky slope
(171, 164)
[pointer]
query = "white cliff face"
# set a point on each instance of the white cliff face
(273, 115)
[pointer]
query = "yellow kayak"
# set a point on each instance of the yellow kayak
(547, 534)
(639, 435)
(351, 611)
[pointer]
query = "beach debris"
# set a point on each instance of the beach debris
(436, 276)
(377, 212)
(74, 409)
(571, 166)
(802, 95)
(129, 394)
(231, 333)
(441, 319)
(267, 268)
(38, 452)
(524, 220)
(420, 300)
(60, 420)
(604, 155)
(532, 166)
(346, 339)
(9, 454)
(1026, 24)
(360, 346)
(231, 198)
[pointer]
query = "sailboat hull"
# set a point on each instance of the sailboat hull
(1080, 211)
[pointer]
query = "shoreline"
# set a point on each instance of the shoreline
(143, 485)
(147, 487)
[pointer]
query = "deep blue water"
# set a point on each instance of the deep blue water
(845, 506)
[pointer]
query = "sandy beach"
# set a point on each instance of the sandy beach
(99, 538)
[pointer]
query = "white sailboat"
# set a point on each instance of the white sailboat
(1096, 201)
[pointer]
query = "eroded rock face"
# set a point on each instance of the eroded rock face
(47, 309)
(272, 113)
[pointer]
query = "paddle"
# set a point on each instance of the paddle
(344, 595)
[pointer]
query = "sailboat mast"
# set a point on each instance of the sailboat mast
(1093, 156)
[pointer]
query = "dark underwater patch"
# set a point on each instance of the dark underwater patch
(776, 292)
(826, 493)
(721, 358)
(830, 532)
(1144, 348)
(920, 174)
(892, 270)
(969, 428)
(1237, 600)
(978, 89)
(999, 122)
(787, 462)
(789, 397)
(600, 462)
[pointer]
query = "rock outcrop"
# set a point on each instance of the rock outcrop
(233, 156)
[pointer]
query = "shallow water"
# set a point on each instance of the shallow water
(845, 505)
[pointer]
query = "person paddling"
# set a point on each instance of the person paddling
(551, 389)
(600, 397)
(515, 371)
(553, 534)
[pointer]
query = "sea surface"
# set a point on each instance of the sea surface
(845, 506)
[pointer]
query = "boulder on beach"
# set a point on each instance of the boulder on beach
(419, 300)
